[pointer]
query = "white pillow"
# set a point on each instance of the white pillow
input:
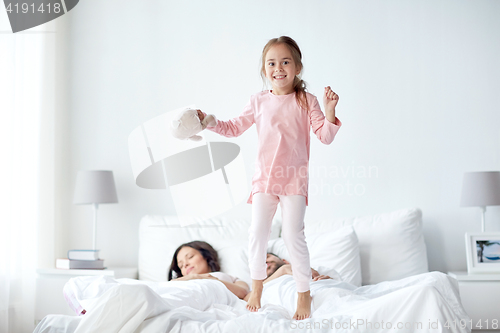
(391, 245)
(159, 237)
(335, 249)
(233, 259)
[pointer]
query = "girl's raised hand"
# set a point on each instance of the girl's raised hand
(330, 99)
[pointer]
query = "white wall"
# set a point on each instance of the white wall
(418, 84)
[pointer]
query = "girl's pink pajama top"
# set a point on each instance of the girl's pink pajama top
(283, 129)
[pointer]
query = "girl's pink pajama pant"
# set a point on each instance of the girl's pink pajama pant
(293, 208)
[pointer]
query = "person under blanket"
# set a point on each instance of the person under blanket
(128, 305)
(277, 267)
(199, 260)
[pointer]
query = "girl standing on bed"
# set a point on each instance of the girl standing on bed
(283, 117)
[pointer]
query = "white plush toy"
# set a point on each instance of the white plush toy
(187, 124)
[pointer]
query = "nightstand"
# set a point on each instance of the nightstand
(50, 283)
(480, 294)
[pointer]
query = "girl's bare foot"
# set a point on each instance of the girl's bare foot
(303, 306)
(253, 303)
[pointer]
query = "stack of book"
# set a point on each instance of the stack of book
(81, 259)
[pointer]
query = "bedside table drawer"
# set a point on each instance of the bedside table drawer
(481, 301)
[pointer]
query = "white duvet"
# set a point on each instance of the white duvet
(421, 303)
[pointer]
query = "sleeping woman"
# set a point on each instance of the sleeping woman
(199, 260)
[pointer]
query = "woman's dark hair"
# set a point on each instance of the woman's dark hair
(206, 250)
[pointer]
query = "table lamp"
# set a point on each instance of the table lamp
(481, 189)
(95, 187)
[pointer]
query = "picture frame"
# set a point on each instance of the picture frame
(483, 252)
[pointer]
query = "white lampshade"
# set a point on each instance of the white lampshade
(95, 187)
(481, 189)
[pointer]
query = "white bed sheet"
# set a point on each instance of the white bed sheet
(125, 305)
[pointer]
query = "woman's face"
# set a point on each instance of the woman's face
(191, 261)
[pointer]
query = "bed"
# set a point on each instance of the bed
(382, 283)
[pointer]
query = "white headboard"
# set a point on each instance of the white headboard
(391, 245)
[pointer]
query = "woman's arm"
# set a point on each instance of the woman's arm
(193, 277)
(239, 288)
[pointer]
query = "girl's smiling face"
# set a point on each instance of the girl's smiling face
(281, 69)
(191, 261)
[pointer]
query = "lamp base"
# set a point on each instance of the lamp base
(483, 212)
(94, 247)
